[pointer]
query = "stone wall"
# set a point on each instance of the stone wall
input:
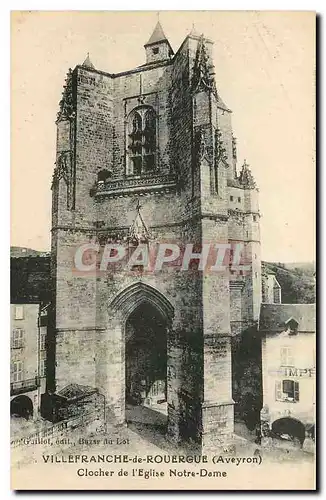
(88, 333)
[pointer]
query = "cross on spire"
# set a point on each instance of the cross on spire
(193, 31)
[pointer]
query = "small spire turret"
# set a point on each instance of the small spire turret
(246, 178)
(158, 47)
(88, 63)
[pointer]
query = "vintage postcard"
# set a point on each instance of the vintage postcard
(163, 331)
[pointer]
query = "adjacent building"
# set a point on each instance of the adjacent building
(288, 333)
(28, 310)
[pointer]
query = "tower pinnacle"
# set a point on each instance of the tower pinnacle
(193, 31)
(88, 63)
(245, 177)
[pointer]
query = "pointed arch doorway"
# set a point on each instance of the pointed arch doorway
(141, 319)
(146, 365)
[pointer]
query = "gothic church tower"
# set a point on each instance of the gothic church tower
(149, 153)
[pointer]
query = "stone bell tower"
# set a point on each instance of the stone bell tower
(147, 156)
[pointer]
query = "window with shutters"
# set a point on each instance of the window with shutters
(141, 152)
(287, 390)
(287, 356)
(17, 338)
(17, 371)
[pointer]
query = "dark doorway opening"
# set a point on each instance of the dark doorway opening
(21, 406)
(146, 367)
(289, 428)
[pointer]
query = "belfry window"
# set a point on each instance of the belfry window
(141, 141)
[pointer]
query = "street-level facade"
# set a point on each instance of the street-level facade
(27, 358)
(288, 335)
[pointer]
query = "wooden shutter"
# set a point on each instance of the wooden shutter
(42, 368)
(20, 337)
(296, 391)
(42, 341)
(17, 371)
(278, 390)
(17, 337)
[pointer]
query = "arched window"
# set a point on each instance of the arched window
(141, 151)
(103, 175)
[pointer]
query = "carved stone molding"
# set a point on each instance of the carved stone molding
(203, 72)
(234, 147)
(220, 151)
(64, 170)
(67, 105)
(65, 161)
(200, 147)
(132, 185)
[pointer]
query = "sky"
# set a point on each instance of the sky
(264, 65)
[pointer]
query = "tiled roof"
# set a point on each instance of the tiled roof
(76, 391)
(274, 316)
